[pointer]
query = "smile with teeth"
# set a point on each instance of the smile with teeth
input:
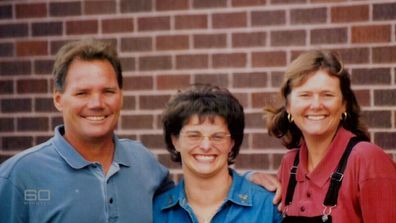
(204, 158)
(315, 117)
(96, 118)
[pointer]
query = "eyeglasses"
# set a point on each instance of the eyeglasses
(196, 137)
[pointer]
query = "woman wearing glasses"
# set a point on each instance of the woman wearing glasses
(203, 130)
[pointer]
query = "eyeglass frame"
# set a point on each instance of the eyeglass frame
(202, 137)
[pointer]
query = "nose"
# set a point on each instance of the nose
(316, 102)
(205, 143)
(96, 101)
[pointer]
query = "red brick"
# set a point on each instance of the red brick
(385, 97)
(7, 125)
(288, 38)
(129, 103)
(269, 59)
(6, 12)
(47, 29)
(268, 18)
(250, 80)
(154, 23)
(12, 143)
(384, 11)
(209, 3)
(16, 105)
(55, 121)
(371, 34)
(166, 5)
(386, 140)
(308, 16)
(6, 49)
(252, 161)
(27, 86)
(287, 1)
(128, 63)
(31, 48)
(355, 13)
(385, 54)
(138, 83)
(155, 63)
(363, 97)
(214, 79)
(15, 68)
(171, 82)
(42, 139)
(44, 105)
(264, 141)
(243, 98)
(254, 120)
(31, 10)
(14, 30)
(43, 66)
(229, 20)
(117, 25)
(276, 78)
(239, 3)
(6, 87)
(377, 119)
(354, 55)
(65, 8)
(229, 60)
(251, 39)
(136, 6)
(94, 7)
(329, 36)
(137, 122)
(153, 141)
(371, 76)
(151, 102)
(262, 99)
(210, 41)
(136, 44)
(174, 42)
(192, 61)
(329, 1)
(33, 124)
(82, 27)
(191, 22)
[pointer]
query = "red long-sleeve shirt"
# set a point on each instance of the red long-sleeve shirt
(368, 190)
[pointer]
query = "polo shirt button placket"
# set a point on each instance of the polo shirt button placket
(302, 208)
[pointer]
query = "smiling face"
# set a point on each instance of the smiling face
(316, 105)
(91, 101)
(209, 156)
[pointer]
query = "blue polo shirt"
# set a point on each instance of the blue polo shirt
(52, 182)
(245, 203)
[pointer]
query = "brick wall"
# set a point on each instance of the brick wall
(165, 45)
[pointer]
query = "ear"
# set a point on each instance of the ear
(57, 98)
(175, 142)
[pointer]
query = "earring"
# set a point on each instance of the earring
(344, 116)
(290, 118)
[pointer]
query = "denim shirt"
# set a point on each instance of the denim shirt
(52, 182)
(245, 203)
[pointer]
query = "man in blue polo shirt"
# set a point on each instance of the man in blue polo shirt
(84, 173)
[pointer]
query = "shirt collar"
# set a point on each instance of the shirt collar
(75, 160)
(321, 174)
(239, 194)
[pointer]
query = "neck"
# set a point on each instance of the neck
(317, 149)
(205, 195)
(94, 151)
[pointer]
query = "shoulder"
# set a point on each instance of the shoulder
(167, 198)
(26, 159)
(135, 149)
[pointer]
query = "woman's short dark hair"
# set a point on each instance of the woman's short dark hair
(87, 50)
(299, 70)
(205, 101)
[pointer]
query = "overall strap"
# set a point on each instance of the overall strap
(338, 175)
(292, 180)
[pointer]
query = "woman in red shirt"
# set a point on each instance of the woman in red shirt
(332, 173)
